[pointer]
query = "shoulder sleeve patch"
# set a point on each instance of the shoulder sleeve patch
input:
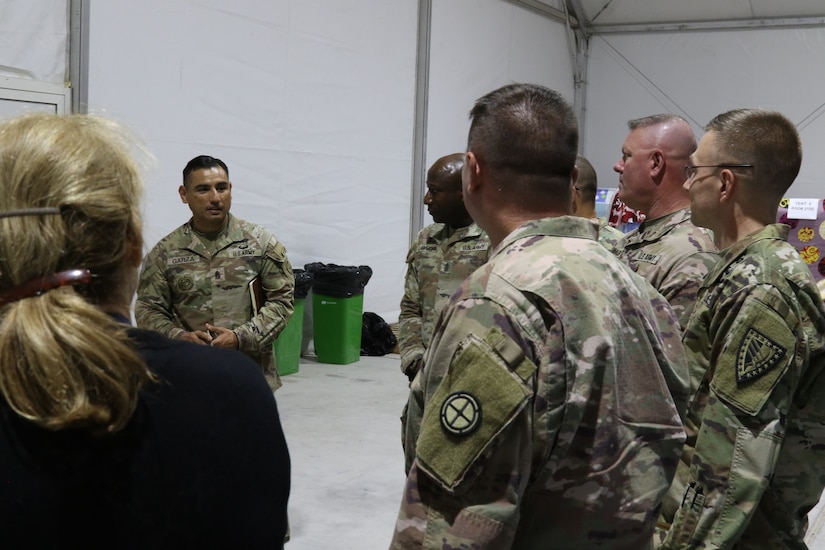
(461, 413)
(275, 251)
(454, 432)
(757, 355)
(754, 358)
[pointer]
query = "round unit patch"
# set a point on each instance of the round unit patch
(186, 284)
(460, 413)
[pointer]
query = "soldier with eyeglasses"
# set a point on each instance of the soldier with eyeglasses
(754, 461)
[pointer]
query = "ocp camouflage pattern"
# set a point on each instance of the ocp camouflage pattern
(183, 286)
(438, 261)
(674, 255)
(609, 236)
(754, 462)
(547, 414)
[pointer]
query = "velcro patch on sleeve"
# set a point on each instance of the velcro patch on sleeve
(757, 355)
(754, 359)
(477, 399)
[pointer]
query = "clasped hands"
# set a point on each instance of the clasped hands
(218, 337)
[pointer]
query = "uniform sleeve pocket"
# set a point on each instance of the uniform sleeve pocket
(478, 398)
(759, 353)
(754, 457)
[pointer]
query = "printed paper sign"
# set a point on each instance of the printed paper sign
(802, 209)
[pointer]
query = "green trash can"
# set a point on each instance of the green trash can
(337, 311)
(287, 346)
(336, 328)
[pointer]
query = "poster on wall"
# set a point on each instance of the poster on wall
(806, 217)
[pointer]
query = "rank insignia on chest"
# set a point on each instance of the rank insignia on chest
(709, 298)
(757, 355)
(460, 413)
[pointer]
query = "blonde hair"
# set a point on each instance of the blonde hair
(65, 363)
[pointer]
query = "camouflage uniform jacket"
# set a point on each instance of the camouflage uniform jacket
(609, 236)
(438, 261)
(183, 287)
(545, 414)
(674, 255)
(754, 462)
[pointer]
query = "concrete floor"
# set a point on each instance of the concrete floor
(343, 430)
(344, 435)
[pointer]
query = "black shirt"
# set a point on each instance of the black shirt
(203, 463)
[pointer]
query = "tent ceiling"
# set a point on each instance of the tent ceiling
(634, 15)
(637, 12)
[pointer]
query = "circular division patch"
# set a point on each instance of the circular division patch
(460, 413)
(186, 283)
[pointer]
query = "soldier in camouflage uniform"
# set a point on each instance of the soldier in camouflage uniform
(584, 204)
(195, 283)
(666, 249)
(754, 462)
(442, 256)
(545, 414)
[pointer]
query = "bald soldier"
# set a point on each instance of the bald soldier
(667, 249)
(545, 417)
(584, 204)
(441, 257)
(754, 462)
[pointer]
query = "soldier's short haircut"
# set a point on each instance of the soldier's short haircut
(587, 184)
(766, 139)
(202, 162)
(528, 135)
(653, 120)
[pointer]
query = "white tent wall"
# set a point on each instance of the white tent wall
(479, 45)
(699, 74)
(33, 40)
(308, 102)
(311, 102)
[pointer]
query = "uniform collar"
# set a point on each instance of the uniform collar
(562, 226)
(457, 233)
(232, 233)
(729, 255)
(657, 228)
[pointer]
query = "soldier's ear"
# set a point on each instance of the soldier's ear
(728, 183)
(182, 192)
(657, 163)
(471, 179)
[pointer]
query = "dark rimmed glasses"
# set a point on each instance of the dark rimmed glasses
(690, 169)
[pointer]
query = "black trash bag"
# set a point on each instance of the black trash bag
(339, 281)
(303, 282)
(377, 337)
